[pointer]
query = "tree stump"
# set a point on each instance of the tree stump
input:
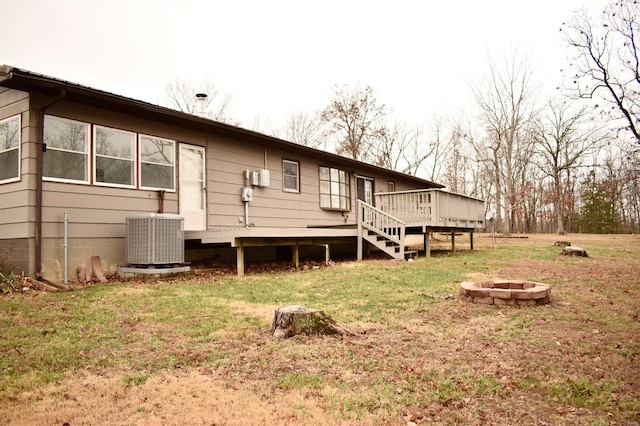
(562, 244)
(574, 251)
(292, 320)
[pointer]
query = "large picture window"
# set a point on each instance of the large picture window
(67, 150)
(10, 149)
(334, 189)
(157, 163)
(115, 152)
(290, 176)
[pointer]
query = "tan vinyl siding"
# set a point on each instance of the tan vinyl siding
(271, 206)
(97, 214)
(16, 218)
(96, 223)
(12, 102)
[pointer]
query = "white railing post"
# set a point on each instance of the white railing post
(359, 216)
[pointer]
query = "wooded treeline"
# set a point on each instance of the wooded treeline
(570, 163)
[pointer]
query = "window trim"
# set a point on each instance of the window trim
(347, 183)
(133, 159)
(140, 162)
(87, 153)
(297, 176)
(391, 186)
(19, 148)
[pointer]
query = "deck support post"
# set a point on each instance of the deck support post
(296, 256)
(427, 245)
(327, 257)
(453, 242)
(240, 259)
(471, 239)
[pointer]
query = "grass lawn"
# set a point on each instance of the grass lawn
(196, 351)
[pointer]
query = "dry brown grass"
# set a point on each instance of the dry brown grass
(574, 361)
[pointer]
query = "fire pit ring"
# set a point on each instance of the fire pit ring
(506, 292)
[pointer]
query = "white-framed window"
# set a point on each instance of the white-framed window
(334, 189)
(157, 163)
(290, 176)
(115, 157)
(66, 157)
(10, 149)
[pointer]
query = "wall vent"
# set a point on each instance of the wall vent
(155, 239)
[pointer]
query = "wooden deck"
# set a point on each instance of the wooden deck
(253, 235)
(433, 208)
(384, 226)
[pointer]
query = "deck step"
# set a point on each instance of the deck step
(384, 244)
(410, 254)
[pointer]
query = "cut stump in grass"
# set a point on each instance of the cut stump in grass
(562, 244)
(574, 251)
(293, 320)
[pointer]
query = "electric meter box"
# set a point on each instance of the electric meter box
(260, 178)
(247, 194)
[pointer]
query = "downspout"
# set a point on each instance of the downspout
(39, 173)
(161, 195)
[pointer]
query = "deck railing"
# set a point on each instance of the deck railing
(383, 224)
(432, 207)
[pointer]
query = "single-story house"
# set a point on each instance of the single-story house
(78, 166)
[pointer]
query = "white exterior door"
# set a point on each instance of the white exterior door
(193, 190)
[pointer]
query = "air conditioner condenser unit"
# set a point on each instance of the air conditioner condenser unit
(154, 239)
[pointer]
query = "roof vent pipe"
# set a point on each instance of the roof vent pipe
(201, 98)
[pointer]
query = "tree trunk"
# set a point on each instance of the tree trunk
(574, 251)
(292, 320)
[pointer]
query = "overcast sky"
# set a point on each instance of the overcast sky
(276, 57)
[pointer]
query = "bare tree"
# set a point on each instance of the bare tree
(355, 121)
(621, 169)
(304, 128)
(403, 148)
(458, 163)
(630, 174)
(181, 95)
(607, 60)
(565, 137)
(392, 143)
(438, 145)
(506, 111)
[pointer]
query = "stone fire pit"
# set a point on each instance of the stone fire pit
(506, 292)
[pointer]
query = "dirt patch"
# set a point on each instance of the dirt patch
(193, 397)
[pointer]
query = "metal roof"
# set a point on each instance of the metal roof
(32, 82)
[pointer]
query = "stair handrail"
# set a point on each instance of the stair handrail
(390, 223)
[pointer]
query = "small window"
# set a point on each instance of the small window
(67, 150)
(392, 186)
(334, 189)
(115, 152)
(10, 149)
(290, 176)
(157, 163)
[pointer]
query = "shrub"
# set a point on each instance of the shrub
(9, 281)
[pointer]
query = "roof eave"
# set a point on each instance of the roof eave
(31, 82)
